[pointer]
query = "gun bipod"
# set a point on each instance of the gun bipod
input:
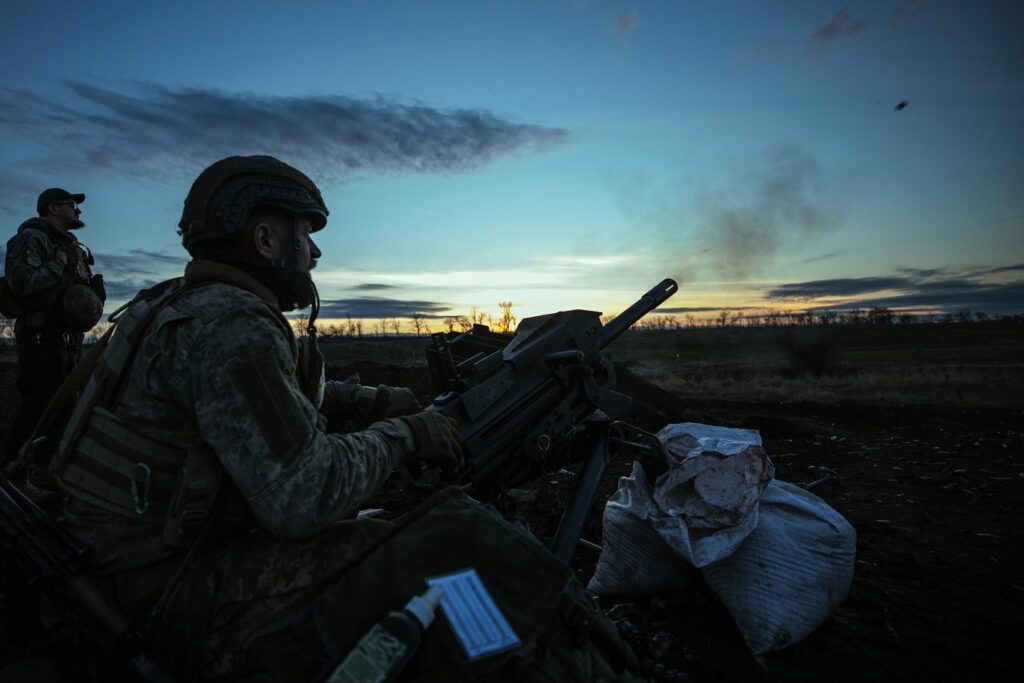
(602, 440)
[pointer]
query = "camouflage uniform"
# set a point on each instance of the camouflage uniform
(46, 349)
(216, 367)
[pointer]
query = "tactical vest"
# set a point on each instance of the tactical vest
(105, 462)
(47, 302)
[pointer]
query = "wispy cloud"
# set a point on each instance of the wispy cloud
(816, 289)
(624, 23)
(18, 193)
(839, 27)
(379, 307)
(821, 257)
(125, 274)
(991, 298)
(372, 287)
(707, 309)
(939, 288)
(164, 132)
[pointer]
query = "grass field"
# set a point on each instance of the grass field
(969, 364)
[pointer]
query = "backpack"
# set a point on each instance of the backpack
(563, 635)
(11, 305)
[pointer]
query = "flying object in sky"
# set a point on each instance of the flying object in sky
(902, 105)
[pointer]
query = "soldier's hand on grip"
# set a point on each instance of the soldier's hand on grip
(437, 441)
(398, 401)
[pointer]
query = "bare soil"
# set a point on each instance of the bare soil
(933, 492)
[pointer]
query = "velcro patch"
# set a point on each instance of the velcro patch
(274, 402)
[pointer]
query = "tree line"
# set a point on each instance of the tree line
(419, 324)
(878, 315)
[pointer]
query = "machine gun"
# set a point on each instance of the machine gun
(538, 400)
(42, 559)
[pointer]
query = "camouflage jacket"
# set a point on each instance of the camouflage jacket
(33, 269)
(217, 367)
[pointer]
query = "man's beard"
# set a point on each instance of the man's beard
(76, 224)
(294, 290)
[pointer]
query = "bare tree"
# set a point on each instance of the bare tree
(508, 319)
(396, 325)
(300, 324)
(417, 323)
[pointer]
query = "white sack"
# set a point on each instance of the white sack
(706, 503)
(790, 573)
(634, 558)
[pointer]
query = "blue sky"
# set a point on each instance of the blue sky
(557, 154)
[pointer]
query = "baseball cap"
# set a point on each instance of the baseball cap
(56, 194)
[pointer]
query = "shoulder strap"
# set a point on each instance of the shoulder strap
(101, 379)
(84, 369)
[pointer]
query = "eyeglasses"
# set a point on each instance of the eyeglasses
(67, 203)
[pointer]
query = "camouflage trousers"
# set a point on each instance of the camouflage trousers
(272, 610)
(231, 596)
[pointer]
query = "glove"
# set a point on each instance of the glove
(436, 438)
(394, 401)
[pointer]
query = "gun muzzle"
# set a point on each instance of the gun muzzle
(647, 303)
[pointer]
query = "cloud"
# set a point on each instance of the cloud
(939, 288)
(373, 286)
(171, 133)
(906, 10)
(991, 298)
(1003, 269)
(379, 307)
(841, 26)
(838, 28)
(125, 274)
(707, 309)
(624, 23)
(18, 193)
(786, 199)
(821, 257)
(817, 289)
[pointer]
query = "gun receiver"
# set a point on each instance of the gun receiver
(519, 406)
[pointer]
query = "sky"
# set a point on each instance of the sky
(558, 154)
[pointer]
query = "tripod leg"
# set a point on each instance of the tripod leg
(575, 515)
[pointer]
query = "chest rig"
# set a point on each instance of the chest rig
(107, 463)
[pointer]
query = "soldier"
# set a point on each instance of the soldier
(57, 299)
(201, 418)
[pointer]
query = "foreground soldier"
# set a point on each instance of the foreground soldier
(209, 385)
(56, 299)
(199, 475)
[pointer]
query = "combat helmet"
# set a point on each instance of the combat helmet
(82, 308)
(224, 195)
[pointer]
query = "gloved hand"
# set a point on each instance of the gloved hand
(394, 401)
(437, 441)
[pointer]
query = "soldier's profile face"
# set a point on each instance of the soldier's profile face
(308, 251)
(67, 213)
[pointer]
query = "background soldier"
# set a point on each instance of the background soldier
(48, 275)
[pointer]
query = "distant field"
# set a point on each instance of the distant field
(972, 364)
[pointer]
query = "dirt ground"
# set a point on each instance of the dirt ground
(935, 497)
